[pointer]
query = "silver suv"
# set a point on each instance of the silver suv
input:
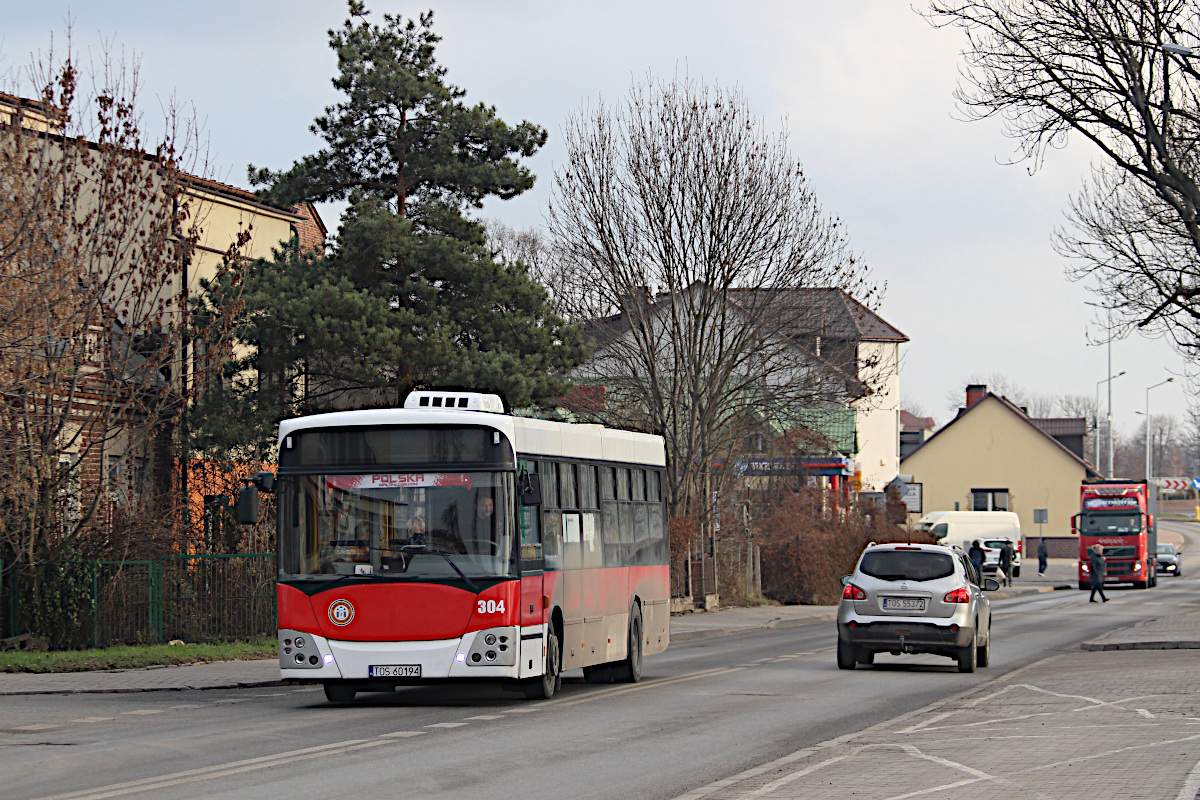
(915, 598)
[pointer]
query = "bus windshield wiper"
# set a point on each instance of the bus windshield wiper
(425, 548)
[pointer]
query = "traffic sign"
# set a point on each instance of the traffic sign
(1196, 484)
(1174, 484)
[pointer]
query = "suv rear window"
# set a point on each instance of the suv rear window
(996, 544)
(906, 565)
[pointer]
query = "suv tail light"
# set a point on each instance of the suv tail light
(960, 595)
(852, 592)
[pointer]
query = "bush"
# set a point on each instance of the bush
(807, 547)
(58, 606)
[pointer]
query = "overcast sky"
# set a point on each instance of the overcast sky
(961, 239)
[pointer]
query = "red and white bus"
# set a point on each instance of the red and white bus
(449, 540)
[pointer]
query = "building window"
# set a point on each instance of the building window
(990, 500)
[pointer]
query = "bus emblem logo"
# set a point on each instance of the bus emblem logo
(341, 612)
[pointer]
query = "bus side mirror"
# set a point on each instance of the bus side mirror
(530, 486)
(1149, 520)
(1075, 522)
(247, 505)
(265, 481)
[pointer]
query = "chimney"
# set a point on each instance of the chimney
(975, 393)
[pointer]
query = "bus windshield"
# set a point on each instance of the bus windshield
(1097, 524)
(425, 525)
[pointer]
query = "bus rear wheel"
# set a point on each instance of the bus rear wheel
(337, 692)
(543, 688)
(630, 670)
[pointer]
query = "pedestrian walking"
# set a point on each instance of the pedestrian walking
(1043, 556)
(975, 555)
(1097, 568)
(1006, 560)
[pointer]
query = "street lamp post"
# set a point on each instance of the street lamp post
(1148, 388)
(1108, 330)
(1096, 417)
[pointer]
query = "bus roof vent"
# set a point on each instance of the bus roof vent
(454, 401)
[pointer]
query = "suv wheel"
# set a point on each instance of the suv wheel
(967, 657)
(983, 653)
(865, 656)
(845, 654)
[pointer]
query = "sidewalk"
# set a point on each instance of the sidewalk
(1083, 724)
(213, 675)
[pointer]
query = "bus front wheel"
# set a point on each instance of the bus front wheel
(543, 688)
(337, 692)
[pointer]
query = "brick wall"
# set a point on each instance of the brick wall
(311, 229)
(1059, 547)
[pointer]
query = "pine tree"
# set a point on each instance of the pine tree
(411, 295)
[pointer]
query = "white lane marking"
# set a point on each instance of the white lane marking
(488, 716)
(273, 694)
(215, 771)
(928, 722)
(447, 725)
(647, 685)
(188, 705)
(1144, 713)
(520, 710)
(93, 719)
(786, 779)
(1106, 754)
(401, 734)
(1191, 784)
(38, 727)
(142, 712)
(943, 787)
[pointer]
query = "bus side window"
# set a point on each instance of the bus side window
(593, 556)
(643, 544)
(549, 473)
(610, 533)
(552, 539)
(608, 483)
(622, 483)
(587, 486)
(658, 535)
(566, 485)
(652, 486)
(639, 485)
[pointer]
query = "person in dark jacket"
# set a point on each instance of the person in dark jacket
(975, 556)
(1006, 558)
(1043, 556)
(1097, 568)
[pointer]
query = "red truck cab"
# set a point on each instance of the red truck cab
(1116, 515)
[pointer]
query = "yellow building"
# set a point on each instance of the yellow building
(993, 457)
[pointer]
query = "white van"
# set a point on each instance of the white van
(992, 528)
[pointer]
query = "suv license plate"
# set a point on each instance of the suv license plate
(395, 671)
(903, 604)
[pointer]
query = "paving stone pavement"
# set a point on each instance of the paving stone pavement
(1117, 724)
(1178, 631)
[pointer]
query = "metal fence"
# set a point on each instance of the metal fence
(196, 598)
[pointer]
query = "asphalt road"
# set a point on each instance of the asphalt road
(707, 709)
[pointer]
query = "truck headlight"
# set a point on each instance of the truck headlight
(1137, 567)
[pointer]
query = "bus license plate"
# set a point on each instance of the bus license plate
(903, 604)
(395, 671)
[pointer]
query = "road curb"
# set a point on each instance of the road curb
(137, 690)
(710, 633)
(1108, 646)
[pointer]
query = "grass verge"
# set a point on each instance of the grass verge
(134, 656)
